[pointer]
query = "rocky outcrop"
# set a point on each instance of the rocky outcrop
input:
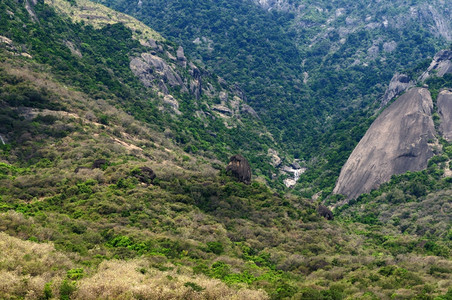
(275, 160)
(181, 57)
(196, 82)
(222, 110)
(144, 174)
(441, 65)
(149, 67)
(445, 113)
(399, 84)
(99, 163)
(239, 168)
(396, 142)
(325, 212)
(249, 110)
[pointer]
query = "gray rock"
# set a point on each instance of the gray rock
(395, 143)
(249, 110)
(287, 169)
(222, 109)
(296, 165)
(325, 212)
(441, 64)
(196, 83)
(389, 46)
(445, 112)
(99, 163)
(399, 84)
(181, 57)
(144, 174)
(373, 51)
(148, 67)
(275, 159)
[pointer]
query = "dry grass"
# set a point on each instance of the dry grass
(25, 267)
(133, 280)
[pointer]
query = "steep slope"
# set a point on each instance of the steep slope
(112, 56)
(445, 113)
(396, 142)
(311, 56)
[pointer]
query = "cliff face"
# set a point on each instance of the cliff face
(399, 83)
(445, 112)
(396, 142)
(440, 65)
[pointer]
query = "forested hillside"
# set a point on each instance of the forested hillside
(312, 70)
(115, 140)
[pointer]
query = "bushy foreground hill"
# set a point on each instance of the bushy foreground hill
(104, 195)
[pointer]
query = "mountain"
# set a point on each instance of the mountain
(403, 137)
(311, 70)
(396, 142)
(204, 113)
(130, 170)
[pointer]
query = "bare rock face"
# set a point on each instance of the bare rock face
(249, 110)
(399, 84)
(196, 83)
(149, 67)
(275, 159)
(395, 143)
(181, 57)
(441, 64)
(240, 168)
(445, 112)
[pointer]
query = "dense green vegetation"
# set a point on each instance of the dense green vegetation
(312, 74)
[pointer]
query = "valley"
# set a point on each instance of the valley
(225, 149)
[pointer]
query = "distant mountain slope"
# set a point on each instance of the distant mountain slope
(312, 70)
(306, 64)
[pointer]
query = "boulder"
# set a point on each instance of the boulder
(396, 142)
(149, 67)
(222, 109)
(399, 84)
(325, 212)
(181, 57)
(239, 168)
(196, 83)
(99, 163)
(144, 174)
(275, 159)
(249, 110)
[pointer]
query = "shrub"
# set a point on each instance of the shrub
(67, 288)
(215, 247)
(194, 286)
